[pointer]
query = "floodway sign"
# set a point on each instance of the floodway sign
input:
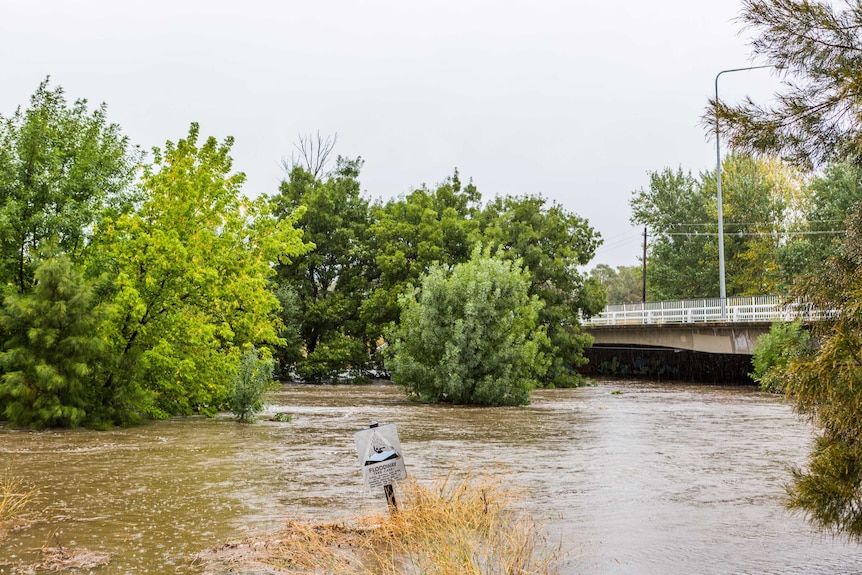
(380, 455)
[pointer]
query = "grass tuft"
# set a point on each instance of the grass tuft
(14, 498)
(456, 526)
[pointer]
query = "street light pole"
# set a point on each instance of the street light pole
(722, 288)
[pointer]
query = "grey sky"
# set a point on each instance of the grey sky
(573, 100)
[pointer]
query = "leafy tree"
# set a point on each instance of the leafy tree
(683, 257)
(832, 197)
(816, 45)
(552, 243)
(332, 280)
(253, 379)
(470, 336)
(761, 201)
(49, 358)
(410, 234)
(623, 285)
(60, 167)
(188, 275)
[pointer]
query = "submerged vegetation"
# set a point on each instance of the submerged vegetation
(470, 525)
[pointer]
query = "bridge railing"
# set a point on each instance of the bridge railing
(738, 309)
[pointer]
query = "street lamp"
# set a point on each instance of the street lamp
(722, 288)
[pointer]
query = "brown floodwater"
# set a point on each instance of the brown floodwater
(630, 477)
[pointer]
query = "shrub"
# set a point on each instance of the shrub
(253, 379)
(470, 336)
(774, 351)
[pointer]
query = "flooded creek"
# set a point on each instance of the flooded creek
(631, 477)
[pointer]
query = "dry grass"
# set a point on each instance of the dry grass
(14, 498)
(462, 526)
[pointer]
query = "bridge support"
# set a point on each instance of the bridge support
(717, 337)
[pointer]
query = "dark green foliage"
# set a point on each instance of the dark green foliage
(816, 45)
(833, 195)
(410, 234)
(338, 358)
(683, 260)
(470, 336)
(681, 214)
(826, 387)
(551, 243)
(50, 358)
(774, 351)
(253, 379)
(332, 280)
(289, 350)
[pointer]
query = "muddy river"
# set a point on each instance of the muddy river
(631, 477)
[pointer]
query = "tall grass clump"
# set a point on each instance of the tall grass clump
(467, 526)
(14, 498)
(470, 525)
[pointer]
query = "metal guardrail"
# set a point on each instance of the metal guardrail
(737, 309)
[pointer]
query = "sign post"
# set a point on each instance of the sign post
(380, 458)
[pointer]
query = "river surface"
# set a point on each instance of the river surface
(631, 477)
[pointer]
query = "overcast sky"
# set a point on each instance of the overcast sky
(573, 100)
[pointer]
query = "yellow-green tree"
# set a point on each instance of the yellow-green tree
(187, 274)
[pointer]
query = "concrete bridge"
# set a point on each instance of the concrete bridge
(710, 325)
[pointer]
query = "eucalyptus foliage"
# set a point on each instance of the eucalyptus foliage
(470, 335)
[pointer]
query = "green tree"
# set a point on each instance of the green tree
(251, 382)
(188, 275)
(410, 234)
(332, 280)
(816, 46)
(53, 348)
(622, 285)
(761, 201)
(816, 122)
(683, 256)
(552, 243)
(61, 166)
(831, 197)
(470, 336)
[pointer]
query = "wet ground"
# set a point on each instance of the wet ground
(632, 477)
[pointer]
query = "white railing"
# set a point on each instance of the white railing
(738, 309)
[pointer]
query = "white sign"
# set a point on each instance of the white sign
(380, 456)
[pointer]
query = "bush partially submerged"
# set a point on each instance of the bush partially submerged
(253, 379)
(465, 527)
